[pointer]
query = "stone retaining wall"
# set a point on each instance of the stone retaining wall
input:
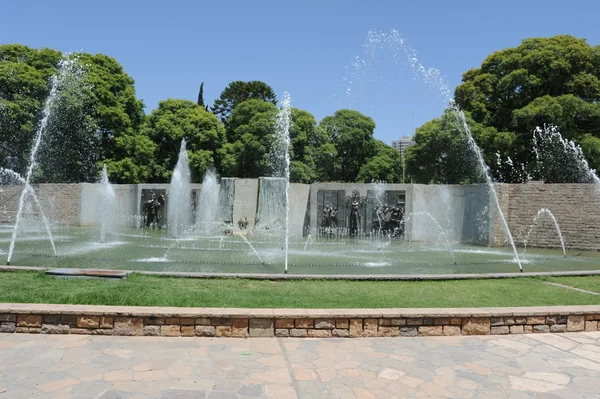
(301, 323)
(575, 206)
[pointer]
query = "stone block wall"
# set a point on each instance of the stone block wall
(320, 323)
(575, 206)
(60, 202)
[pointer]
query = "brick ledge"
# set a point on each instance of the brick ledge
(318, 323)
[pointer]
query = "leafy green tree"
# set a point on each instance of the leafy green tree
(104, 110)
(237, 92)
(250, 138)
(552, 80)
(352, 136)
(590, 145)
(201, 97)
(442, 154)
(175, 120)
(511, 79)
(24, 76)
(312, 154)
(386, 165)
(137, 164)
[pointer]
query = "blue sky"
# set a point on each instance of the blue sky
(306, 48)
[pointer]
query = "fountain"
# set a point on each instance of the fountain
(180, 195)
(67, 68)
(433, 79)
(105, 215)
(208, 216)
(543, 212)
(560, 160)
(281, 152)
(363, 230)
(443, 233)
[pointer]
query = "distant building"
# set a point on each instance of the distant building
(401, 144)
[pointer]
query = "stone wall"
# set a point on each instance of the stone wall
(300, 323)
(576, 208)
(468, 212)
(60, 203)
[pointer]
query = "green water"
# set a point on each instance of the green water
(154, 250)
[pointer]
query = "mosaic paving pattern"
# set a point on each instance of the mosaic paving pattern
(527, 366)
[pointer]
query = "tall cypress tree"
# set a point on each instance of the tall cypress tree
(201, 96)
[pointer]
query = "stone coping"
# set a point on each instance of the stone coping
(361, 277)
(301, 323)
(277, 313)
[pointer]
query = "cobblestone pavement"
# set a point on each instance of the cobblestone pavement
(527, 366)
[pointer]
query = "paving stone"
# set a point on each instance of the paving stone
(282, 332)
(575, 323)
(170, 331)
(341, 323)
(261, 328)
(55, 329)
(325, 324)
(558, 328)
(205, 331)
(128, 326)
(408, 331)
(284, 323)
(430, 330)
(514, 366)
(298, 332)
(541, 329)
(451, 330)
(8, 327)
(29, 320)
(476, 326)
(500, 330)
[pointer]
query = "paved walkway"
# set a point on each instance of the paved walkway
(528, 366)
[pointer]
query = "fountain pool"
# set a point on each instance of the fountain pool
(145, 249)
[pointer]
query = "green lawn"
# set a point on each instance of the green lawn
(589, 283)
(142, 290)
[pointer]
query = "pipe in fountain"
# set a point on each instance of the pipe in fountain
(542, 212)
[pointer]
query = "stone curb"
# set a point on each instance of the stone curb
(311, 323)
(363, 277)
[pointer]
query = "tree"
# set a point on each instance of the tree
(442, 154)
(175, 120)
(352, 136)
(386, 166)
(552, 80)
(201, 97)
(511, 79)
(237, 92)
(101, 110)
(24, 76)
(312, 154)
(250, 138)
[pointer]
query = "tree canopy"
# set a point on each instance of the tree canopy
(352, 136)
(96, 118)
(237, 92)
(552, 80)
(175, 120)
(441, 152)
